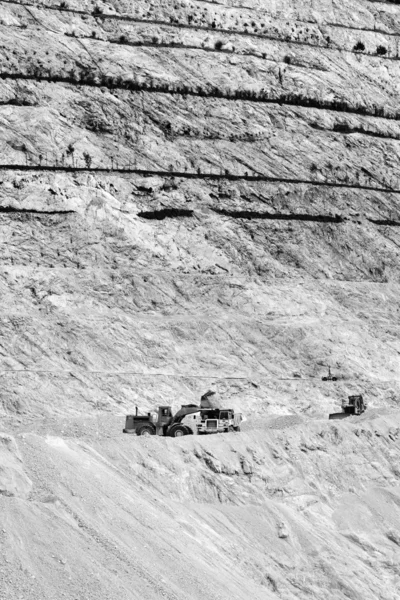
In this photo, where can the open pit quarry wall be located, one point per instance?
(199, 194)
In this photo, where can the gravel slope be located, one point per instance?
(289, 510)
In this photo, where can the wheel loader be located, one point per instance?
(190, 419)
(184, 422)
(353, 405)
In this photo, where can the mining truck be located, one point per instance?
(216, 420)
(353, 405)
(190, 419)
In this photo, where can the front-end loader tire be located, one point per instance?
(178, 431)
(146, 430)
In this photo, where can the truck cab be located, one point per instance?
(216, 420)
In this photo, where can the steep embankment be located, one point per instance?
(197, 194)
(289, 511)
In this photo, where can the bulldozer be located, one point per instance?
(353, 405)
(190, 419)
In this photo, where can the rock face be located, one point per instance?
(13, 480)
(199, 195)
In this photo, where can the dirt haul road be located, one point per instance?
(296, 509)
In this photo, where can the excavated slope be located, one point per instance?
(198, 194)
(292, 511)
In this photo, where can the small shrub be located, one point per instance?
(359, 47)
(381, 50)
(218, 45)
(88, 159)
(97, 10)
(122, 39)
(70, 152)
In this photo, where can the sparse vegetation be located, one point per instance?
(359, 47)
(88, 159)
(88, 77)
(70, 152)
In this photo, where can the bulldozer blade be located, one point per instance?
(339, 415)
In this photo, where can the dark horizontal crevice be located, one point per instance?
(32, 211)
(165, 213)
(89, 78)
(361, 29)
(170, 213)
(388, 222)
(16, 102)
(197, 175)
(249, 214)
(175, 46)
(346, 129)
